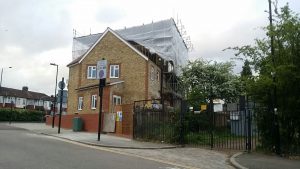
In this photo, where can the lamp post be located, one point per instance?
(2, 76)
(53, 116)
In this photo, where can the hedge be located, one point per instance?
(23, 115)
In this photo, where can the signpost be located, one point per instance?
(61, 85)
(101, 75)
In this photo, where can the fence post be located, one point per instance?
(211, 109)
(248, 113)
(181, 118)
(133, 121)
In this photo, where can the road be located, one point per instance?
(21, 148)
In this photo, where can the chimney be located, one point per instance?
(25, 88)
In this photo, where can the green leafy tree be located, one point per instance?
(284, 67)
(203, 78)
(246, 70)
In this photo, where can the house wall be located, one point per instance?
(19, 102)
(124, 128)
(154, 84)
(133, 71)
(73, 84)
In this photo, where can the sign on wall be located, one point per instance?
(119, 116)
(101, 69)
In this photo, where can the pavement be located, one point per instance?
(186, 157)
(263, 161)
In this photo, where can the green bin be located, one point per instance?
(77, 124)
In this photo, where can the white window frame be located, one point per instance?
(94, 102)
(80, 103)
(91, 72)
(157, 75)
(118, 98)
(113, 69)
(152, 73)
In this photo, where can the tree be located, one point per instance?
(280, 71)
(246, 69)
(202, 78)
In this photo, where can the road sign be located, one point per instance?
(101, 69)
(61, 85)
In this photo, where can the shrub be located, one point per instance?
(21, 115)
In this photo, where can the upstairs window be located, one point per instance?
(80, 103)
(94, 102)
(114, 71)
(157, 76)
(117, 100)
(152, 73)
(91, 72)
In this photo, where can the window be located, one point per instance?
(80, 103)
(157, 76)
(94, 102)
(91, 72)
(8, 100)
(117, 100)
(114, 71)
(152, 73)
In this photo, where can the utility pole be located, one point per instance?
(101, 75)
(61, 85)
(273, 73)
(53, 116)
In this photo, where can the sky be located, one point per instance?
(35, 33)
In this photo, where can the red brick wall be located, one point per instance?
(125, 128)
(90, 121)
(127, 119)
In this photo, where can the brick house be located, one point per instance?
(24, 99)
(133, 69)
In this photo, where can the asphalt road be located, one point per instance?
(23, 149)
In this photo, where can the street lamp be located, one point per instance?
(53, 116)
(2, 75)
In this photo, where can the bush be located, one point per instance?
(21, 115)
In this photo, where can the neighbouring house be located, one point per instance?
(24, 99)
(143, 63)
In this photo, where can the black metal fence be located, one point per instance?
(229, 129)
(185, 123)
(153, 124)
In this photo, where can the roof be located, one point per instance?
(23, 94)
(82, 44)
(80, 58)
(162, 38)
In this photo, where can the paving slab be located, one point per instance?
(263, 161)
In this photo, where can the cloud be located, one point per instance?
(110, 14)
(34, 33)
(34, 25)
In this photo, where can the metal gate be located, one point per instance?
(151, 123)
(185, 123)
